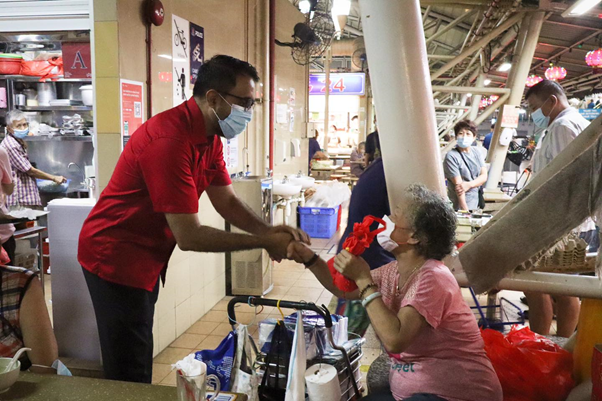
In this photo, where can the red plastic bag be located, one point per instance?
(529, 366)
(356, 243)
(46, 69)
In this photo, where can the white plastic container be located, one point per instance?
(87, 95)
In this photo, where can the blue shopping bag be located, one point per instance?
(220, 361)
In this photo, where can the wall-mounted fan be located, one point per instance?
(360, 59)
(310, 39)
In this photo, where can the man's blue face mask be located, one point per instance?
(236, 122)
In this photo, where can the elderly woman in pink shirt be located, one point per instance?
(416, 307)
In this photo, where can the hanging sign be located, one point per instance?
(197, 50)
(353, 83)
(132, 115)
(76, 60)
(180, 54)
(590, 114)
(510, 116)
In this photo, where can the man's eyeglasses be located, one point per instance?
(245, 102)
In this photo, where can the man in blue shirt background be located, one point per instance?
(487, 140)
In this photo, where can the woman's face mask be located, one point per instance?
(384, 237)
(21, 133)
(465, 141)
(236, 122)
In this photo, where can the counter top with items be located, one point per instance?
(45, 387)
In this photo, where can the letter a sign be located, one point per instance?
(76, 60)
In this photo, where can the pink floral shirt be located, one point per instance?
(447, 359)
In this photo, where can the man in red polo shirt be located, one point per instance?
(151, 204)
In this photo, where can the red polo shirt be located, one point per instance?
(164, 168)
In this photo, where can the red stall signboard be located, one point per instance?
(76, 60)
(132, 114)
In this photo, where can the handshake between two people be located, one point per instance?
(291, 243)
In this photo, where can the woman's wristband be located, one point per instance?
(366, 288)
(371, 298)
(312, 261)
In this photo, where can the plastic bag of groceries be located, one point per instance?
(530, 367)
(329, 195)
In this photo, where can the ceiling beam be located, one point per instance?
(454, 3)
(560, 53)
(584, 27)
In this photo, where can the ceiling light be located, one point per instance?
(165, 56)
(486, 82)
(304, 6)
(580, 7)
(504, 67)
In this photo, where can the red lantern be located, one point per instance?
(555, 73)
(533, 80)
(594, 60)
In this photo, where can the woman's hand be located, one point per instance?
(299, 252)
(350, 266)
(59, 179)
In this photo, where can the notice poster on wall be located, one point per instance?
(132, 115)
(180, 53)
(197, 50)
(230, 152)
(76, 60)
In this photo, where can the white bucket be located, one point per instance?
(87, 95)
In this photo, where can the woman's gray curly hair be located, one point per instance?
(432, 219)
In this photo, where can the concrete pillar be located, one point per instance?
(497, 152)
(402, 91)
(327, 60)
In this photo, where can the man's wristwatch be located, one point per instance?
(312, 261)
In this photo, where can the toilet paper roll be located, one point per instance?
(322, 383)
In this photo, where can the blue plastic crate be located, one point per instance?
(319, 222)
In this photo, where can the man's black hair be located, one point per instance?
(220, 73)
(545, 89)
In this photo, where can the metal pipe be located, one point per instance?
(396, 46)
(450, 107)
(469, 89)
(478, 45)
(489, 110)
(451, 25)
(497, 152)
(468, 35)
(264, 58)
(506, 40)
(327, 96)
(426, 14)
(149, 72)
(476, 98)
(272, 67)
(441, 56)
(486, 16)
(549, 283)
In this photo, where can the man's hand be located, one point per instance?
(350, 266)
(299, 252)
(296, 233)
(277, 245)
(59, 179)
(463, 187)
